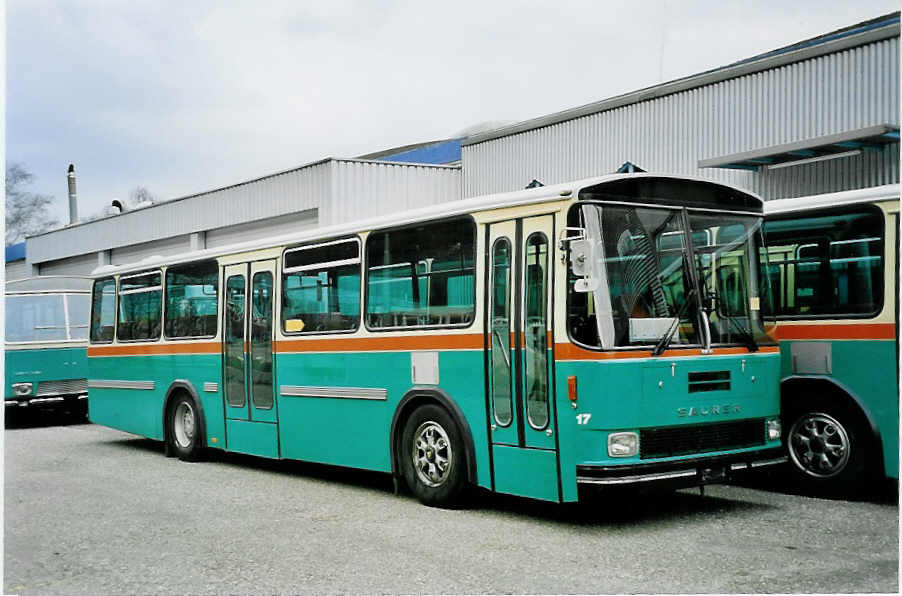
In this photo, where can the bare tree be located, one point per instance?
(27, 213)
(140, 196)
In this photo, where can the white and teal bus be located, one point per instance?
(832, 268)
(597, 333)
(45, 344)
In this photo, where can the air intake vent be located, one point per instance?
(709, 381)
(70, 387)
(700, 438)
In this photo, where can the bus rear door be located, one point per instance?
(251, 409)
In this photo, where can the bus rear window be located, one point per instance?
(37, 317)
(191, 292)
(103, 310)
(421, 276)
(140, 302)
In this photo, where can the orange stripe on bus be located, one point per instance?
(207, 347)
(572, 352)
(470, 341)
(842, 331)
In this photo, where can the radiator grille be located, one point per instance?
(700, 438)
(68, 387)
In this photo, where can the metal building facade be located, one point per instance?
(321, 193)
(832, 85)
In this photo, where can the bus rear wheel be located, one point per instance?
(829, 451)
(183, 428)
(432, 456)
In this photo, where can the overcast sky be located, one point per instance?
(182, 97)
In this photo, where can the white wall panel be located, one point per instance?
(274, 226)
(78, 265)
(17, 270)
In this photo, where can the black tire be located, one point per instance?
(831, 449)
(431, 437)
(184, 431)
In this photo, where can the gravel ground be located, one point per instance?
(92, 510)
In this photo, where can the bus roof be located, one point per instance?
(833, 199)
(50, 283)
(542, 194)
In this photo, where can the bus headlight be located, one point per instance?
(22, 388)
(623, 444)
(774, 429)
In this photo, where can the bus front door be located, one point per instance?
(519, 351)
(250, 406)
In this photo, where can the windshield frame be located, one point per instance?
(689, 252)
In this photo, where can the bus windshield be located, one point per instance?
(649, 294)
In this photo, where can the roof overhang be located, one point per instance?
(843, 144)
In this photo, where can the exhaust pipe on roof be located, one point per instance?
(73, 203)
(118, 205)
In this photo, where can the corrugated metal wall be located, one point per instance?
(368, 189)
(79, 265)
(326, 192)
(139, 252)
(832, 93)
(17, 270)
(274, 226)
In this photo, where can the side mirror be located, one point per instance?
(582, 256)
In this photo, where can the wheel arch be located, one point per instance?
(797, 387)
(417, 397)
(184, 386)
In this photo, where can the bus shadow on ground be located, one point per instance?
(16, 419)
(779, 480)
(622, 507)
(607, 508)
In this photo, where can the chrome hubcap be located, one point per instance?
(819, 445)
(431, 454)
(183, 423)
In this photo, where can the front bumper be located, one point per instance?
(47, 402)
(682, 473)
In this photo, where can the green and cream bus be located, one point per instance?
(591, 334)
(45, 343)
(832, 269)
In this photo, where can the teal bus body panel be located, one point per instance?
(867, 369)
(140, 411)
(253, 438)
(630, 394)
(526, 472)
(356, 432)
(44, 364)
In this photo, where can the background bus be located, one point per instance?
(596, 333)
(46, 337)
(832, 266)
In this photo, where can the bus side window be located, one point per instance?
(827, 264)
(103, 310)
(140, 305)
(191, 300)
(422, 276)
(321, 287)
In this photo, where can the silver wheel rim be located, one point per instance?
(819, 445)
(431, 454)
(183, 424)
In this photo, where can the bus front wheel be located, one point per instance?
(183, 428)
(829, 450)
(433, 461)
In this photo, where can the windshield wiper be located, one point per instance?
(744, 333)
(667, 338)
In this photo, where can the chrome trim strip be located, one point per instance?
(636, 478)
(107, 384)
(770, 462)
(211, 387)
(42, 400)
(334, 392)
